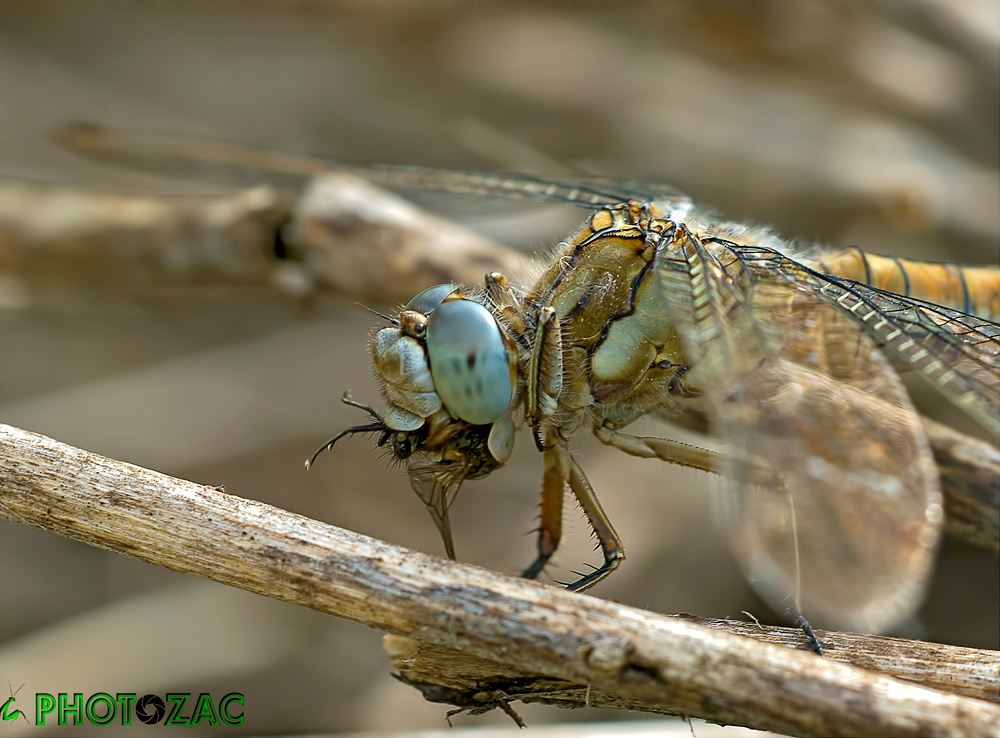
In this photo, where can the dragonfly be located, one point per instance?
(831, 493)
(830, 496)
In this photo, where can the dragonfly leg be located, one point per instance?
(651, 447)
(682, 454)
(545, 375)
(611, 544)
(554, 480)
(562, 469)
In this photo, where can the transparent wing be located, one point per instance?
(437, 485)
(831, 497)
(956, 352)
(188, 155)
(588, 192)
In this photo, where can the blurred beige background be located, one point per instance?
(834, 122)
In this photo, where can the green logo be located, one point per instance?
(102, 708)
(8, 711)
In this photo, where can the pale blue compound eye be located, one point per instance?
(430, 298)
(469, 362)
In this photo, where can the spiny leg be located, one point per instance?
(651, 447)
(562, 469)
(554, 478)
(682, 454)
(675, 452)
(611, 544)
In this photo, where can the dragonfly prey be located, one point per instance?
(830, 494)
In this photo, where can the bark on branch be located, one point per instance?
(641, 659)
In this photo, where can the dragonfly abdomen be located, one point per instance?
(973, 290)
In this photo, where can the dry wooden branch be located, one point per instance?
(667, 664)
(341, 236)
(953, 669)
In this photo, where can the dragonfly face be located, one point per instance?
(449, 375)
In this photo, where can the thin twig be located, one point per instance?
(669, 664)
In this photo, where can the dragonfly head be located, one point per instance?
(448, 370)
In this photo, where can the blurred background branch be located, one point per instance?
(342, 236)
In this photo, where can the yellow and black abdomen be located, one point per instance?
(971, 289)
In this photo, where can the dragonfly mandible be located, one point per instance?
(831, 494)
(654, 306)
